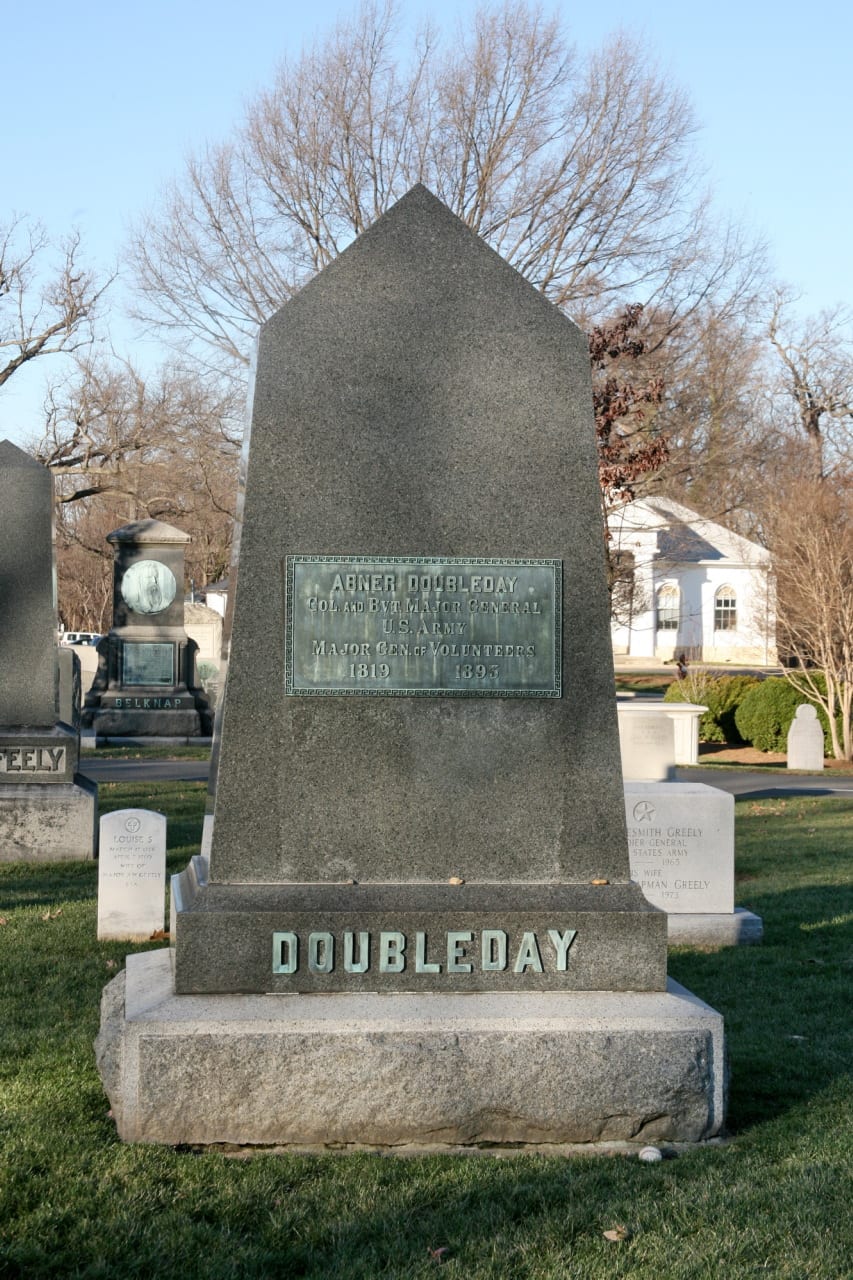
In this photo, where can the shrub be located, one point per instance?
(764, 717)
(720, 694)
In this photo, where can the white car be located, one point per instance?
(79, 637)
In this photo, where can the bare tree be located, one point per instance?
(579, 171)
(84, 565)
(48, 300)
(723, 446)
(815, 362)
(124, 447)
(812, 545)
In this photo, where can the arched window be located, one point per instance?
(725, 609)
(668, 609)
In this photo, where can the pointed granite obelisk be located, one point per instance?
(419, 829)
(28, 669)
(420, 688)
(47, 811)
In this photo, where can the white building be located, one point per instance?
(689, 586)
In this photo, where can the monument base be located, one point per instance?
(91, 742)
(387, 1071)
(48, 822)
(715, 929)
(114, 723)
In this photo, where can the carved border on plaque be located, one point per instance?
(465, 565)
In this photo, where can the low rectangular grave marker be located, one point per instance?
(681, 845)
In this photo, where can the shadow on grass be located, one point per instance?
(782, 1000)
(157, 1211)
(45, 884)
(780, 793)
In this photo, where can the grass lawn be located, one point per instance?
(653, 684)
(773, 1201)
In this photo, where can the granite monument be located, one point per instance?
(416, 924)
(48, 811)
(146, 683)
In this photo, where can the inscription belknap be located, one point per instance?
(420, 626)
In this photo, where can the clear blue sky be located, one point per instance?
(100, 103)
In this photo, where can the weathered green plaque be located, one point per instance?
(421, 626)
(147, 663)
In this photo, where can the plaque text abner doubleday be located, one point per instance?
(422, 626)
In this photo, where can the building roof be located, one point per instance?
(195, 612)
(148, 531)
(683, 536)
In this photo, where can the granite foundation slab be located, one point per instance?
(715, 929)
(159, 725)
(392, 1071)
(44, 822)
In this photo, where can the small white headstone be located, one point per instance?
(805, 739)
(131, 874)
(681, 843)
(647, 744)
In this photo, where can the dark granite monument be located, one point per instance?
(419, 806)
(48, 811)
(146, 683)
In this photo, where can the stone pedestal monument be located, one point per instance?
(417, 923)
(146, 684)
(48, 811)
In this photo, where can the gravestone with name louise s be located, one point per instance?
(417, 922)
(131, 874)
(47, 810)
(146, 683)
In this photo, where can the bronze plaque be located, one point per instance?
(147, 663)
(418, 626)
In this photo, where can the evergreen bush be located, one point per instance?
(721, 695)
(765, 714)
